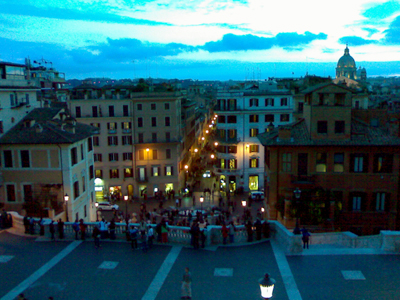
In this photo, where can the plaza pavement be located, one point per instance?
(76, 270)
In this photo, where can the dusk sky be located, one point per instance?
(201, 39)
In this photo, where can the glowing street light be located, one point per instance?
(267, 286)
(66, 198)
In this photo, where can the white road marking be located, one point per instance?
(40, 272)
(158, 281)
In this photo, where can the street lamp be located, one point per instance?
(126, 206)
(196, 150)
(267, 286)
(201, 201)
(297, 195)
(66, 198)
(212, 156)
(206, 131)
(97, 215)
(216, 144)
(244, 203)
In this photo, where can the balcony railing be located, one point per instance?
(220, 171)
(142, 179)
(227, 140)
(303, 179)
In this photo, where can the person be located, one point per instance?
(52, 230)
(224, 231)
(75, 227)
(96, 235)
(150, 236)
(41, 225)
(306, 237)
(296, 230)
(133, 233)
(103, 229)
(164, 231)
(26, 224)
(195, 230)
(258, 226)
(249, 229)
(142, 226)
(203, 236)
(232, 230)
(186, 289)
(143, 240)
(32, 226)
(176, 202)
(112, 229)
(60, 227)
(82, 228)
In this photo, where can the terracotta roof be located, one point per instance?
(46, 129)
(362, 134)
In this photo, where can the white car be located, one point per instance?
(207, 174)
(107, 206)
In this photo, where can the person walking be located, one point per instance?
(164, 232)
(150, 236)
(143, 241)
(112, 229)
(96, 235)
(225, 232)
(26, 224)
(32, 226)
(186, 288)
(41, 226)
(232, 230)
(103, 229)
(75, 227)
(60, 227)
(82, 228)
(133, 233)
(306, 237)
(52, 230)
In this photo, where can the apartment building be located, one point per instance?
(140, 147)
(330, 167)
(45, 157)
(242, 115)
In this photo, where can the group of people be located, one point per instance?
(305, 235)
(5, 220)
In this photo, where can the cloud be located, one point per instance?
(371, 31)
(382, 11)
(289, 40)
(392, 34)
(73, 14)
(356, 41)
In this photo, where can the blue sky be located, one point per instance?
(201, 39)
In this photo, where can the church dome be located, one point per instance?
(346, 61)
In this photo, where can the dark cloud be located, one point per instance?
(289, 40)
(356, 41)
(392, 34)
(383, 10)
(72, 14)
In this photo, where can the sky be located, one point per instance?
(201, 39)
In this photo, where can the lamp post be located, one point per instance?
(297, 195)
(266, 286)
(97, 215)
(201, 201)
(126, 206)
(66, 198)
(263, 212)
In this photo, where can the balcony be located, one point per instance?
(226, 155)
(142, 179)
(226, 140)
(126, 130)
(303, 179)
(220, 171)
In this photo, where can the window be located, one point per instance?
(358, 163)
(99, 173)
(155, 171)
(358, 201)
(77, 111)
(12, 101)
(222, 164)
(128, 172)
(253, 132)
(91, 172)
(232, 134)
(96, 125)
(169, 171)
(339, 99)
(76, 189)
(287, 162)
(96, 141)
(321, 163)
(10, 193)
(98, 157)
(74, 156)
(339, 127)
(221, 119)
(114, 173)
(141, 173)
(253, 102)
(83, 184)
(139, 106)
(153, 122)
(269, 118)
(8, 161)
(231, 104)
(125, 110)
(141, 154)
(166, 106)
(231, 119)
(28, 197)
(269, 102)
(232, 149)
(111, 110)
(232, 163)
(112, 127)
(126, 140)
(167, 121)
(127, 156)
(284, 101)
(27, 98)
(153, 106)
(382, 201)
(154, 137)
(112, 156)
(82, 153)
(300, 107)
(140, 122)
(126, 127)
(168, 137)
(25, 163)
(322, 127)
(140, 138)
(253, 118)
(155, 154)
(1, 127)
(285, 117)
(112, 141)
(383, 163)
(338, 162)
(94, 112)
(253, 163)
(90, 144)
(168, 153)
(253, 148)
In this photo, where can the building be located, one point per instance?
(347, 170)
(242, 115)
(142, 145)
(44, 157)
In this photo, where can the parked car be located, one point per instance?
(207, 174)
(107, 206)
(257, 195)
